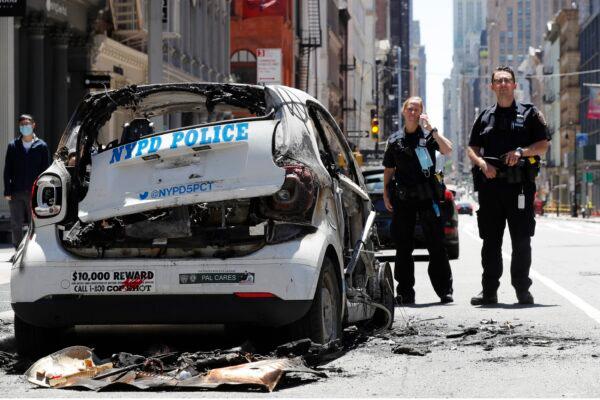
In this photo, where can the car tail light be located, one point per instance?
(46, 196)
(448, 195)
(297, 193)
(449, 230)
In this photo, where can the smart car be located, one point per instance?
(199, 203)
(464, 207)
(374, 182)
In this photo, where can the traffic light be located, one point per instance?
(375, 128)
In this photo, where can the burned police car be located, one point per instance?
(200, 203)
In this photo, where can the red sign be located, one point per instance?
(594, 103)
(263, 8)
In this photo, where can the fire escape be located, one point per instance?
(127, 18)
(311, 38)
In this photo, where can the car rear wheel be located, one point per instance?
(323, 322)
(35, 341)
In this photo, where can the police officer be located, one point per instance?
(505, 144)
(411, 187)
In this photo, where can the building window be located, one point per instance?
(243, 66)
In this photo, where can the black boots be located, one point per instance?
(484, 298)
(447, 298)
(525, 297)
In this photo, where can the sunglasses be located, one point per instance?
(502, 80)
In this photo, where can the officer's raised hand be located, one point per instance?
(424, 121)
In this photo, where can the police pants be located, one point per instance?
(498, 204)
(19, 214)
(403, 227)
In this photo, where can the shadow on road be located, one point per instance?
(423, 305)
(516, 305)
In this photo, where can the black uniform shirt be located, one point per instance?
(499, 130)
(400, 154)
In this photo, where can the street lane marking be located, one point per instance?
(577, 301)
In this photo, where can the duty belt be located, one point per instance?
(524, 171)
(421, 191)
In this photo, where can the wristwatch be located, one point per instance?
(520, 151)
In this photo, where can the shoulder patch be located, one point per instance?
(540, 116)
(395, 137)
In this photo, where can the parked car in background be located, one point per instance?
(464, 207)
(374, 183)
(538, 205)
(247, 209)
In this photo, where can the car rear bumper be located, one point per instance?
(68, 310)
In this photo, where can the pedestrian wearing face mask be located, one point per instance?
(26, 158)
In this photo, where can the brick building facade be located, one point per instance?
(254, 27)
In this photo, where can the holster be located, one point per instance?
(422, 191)
(438, 186)
(478, 178)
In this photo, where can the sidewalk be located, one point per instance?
(567, 217)
(6, 252)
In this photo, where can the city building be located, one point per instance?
(552, 80)
(589, 47)
(361, 70)
(400, 37)
(120, 46)
(513, 26)
(568, 22)
(270, 27)
(554, 178)
(43, 66)
(418, 62)
(469, 18)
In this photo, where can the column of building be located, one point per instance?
(7, 100)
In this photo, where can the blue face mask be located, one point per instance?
(26, 130)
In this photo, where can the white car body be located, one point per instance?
(55, 285)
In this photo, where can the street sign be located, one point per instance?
(589, 177)
(268, 66)
(91, 81)
(581, 139)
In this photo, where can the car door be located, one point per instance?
(351, 199)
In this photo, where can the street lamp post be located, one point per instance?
(575, 202)
(377, 62)
(575, 206)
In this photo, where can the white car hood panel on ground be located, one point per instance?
(205, 164)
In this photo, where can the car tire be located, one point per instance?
(323, 321)
(34, 341)
(453, 252)
(387, 298)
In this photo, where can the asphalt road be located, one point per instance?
(550, 349)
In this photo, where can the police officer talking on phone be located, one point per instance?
(411, 187)
(505, 146)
